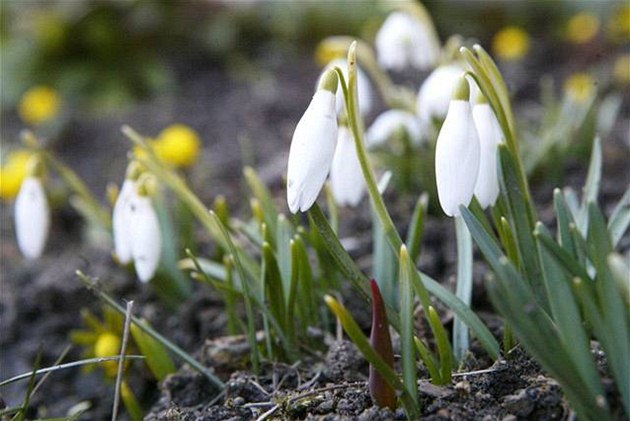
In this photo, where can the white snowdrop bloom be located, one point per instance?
(387, 123)
(146, 239)
(121, 221)
(32, 217)
(313, 147)
(457, 154)
(435, 94)
(346, 177)
(364, 87)
(404, 41)
(490, 136)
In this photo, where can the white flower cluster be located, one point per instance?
(136, 230)
(466, 153)
(465, 158)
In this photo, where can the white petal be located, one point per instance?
(387, 123)
(456, 158)
(121, 221)
(435, 94)
(364, 88)
(311, 152)
(346, 177)
(403, 41)
(32, 218)
(146, 242)
(490, 135)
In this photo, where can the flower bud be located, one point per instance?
(346, 177)
(435, 94)
(490, 136)
(457, 153)
(404, 42)
(146, 239)
(312, 149)
(121, 221)
(32, 217)
(388, 123)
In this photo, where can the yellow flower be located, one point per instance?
(178, 145)
(582, 27)
(108, 345)
(622, 69)
(619, 24)
(13, 173)
(580, 86)
(511, 43)
(39, 105)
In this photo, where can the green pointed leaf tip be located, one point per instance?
(382, 393)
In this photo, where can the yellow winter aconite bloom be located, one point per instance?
(39, 105)
(580, 86)
(582, 27)
(178, 145)
(13, 173)
(511, 43)
(108, 345)
(619, 24)
(622, 69)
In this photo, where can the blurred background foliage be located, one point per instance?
(109, 53)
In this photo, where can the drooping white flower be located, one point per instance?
(457, 154)
(121, 221)
(346, 177)
(387, 123)
(146, 239)
(313, 147)
(490, 136)
(364, 87)
(435, 94)
(32, 217)
(404, 41)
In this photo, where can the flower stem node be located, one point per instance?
(457, 154)
(313, 147)
(32, 217)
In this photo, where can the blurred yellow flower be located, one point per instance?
(108, 345)
(582, 27)
(621, 71)
(511, 43)
(13, 173)
(580, 86)
(619, 24)
(39, 105)
(178, 145)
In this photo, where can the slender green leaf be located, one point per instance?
(283, 249)
(416, 227)
(260, 192)
(464, 286)
(157, 358)
(620, 219)
(444, 346)
(407, 345)
(429, 361)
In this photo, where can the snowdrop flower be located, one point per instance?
(121, 221)
(146, 239)
(313, 146)
(457, 153)
(490, 136)
(32, 217)
(346, 176)
(386, 125)
(404, 41)
(364, 88)
(435, 94)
